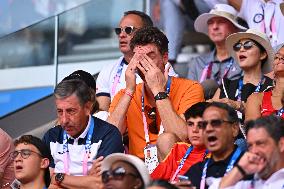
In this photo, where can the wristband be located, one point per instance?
(128, 93)
(241, 170)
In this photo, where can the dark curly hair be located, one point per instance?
(148, 35)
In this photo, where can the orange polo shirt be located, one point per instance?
(183, 94)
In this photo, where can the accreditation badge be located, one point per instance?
(151, 157)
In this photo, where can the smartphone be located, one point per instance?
(183, 178)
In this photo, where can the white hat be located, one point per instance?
(219, 10)
(282, 8)
(133, 160)
(257, 36)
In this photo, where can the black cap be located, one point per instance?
(84, 76)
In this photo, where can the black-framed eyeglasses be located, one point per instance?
(278, 57)
(191, 124)
(116, 174)
(25, 153)
(128, 30)
(151, 113)
(247, 45)
(214, 123)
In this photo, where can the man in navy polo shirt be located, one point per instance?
(79, 138)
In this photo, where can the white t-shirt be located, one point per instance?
(105, 80)
(266, 17)
(274, 181)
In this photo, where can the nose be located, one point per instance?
(195, 128)
(64, 118)
(254, 149)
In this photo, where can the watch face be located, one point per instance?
(59, 177)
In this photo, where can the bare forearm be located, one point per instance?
(171, 121)
(117, 117)
(104, 102)
(82, 182)
(231, 179)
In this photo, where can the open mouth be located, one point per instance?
(19, 167)
(212, 140)
(242, 57)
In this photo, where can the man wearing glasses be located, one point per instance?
(112, 77)
(170, 96)
(31, 163)
(220, 128)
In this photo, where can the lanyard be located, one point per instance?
(147, 138)
(280, 112)
(241, 84)
(207, 71)
(87, 149)
(230, 166)
(117, 77)
(181, 164)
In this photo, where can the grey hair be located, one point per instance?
(78, 87)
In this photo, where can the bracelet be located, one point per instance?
(128, 93)
(242, 171)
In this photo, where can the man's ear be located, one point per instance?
(281, 144)
(88, 107)
(263, 55)
(44, 163)
(236, 129)
(165, 58)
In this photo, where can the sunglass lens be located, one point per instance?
(128, 30)
(117, 31)
(105, 176)
(247, 45)
(216, 122)
(237, 46)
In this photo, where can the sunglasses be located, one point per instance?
(278, 57)
(25, 153)
(116, 174)
(214, 123)
(151, 113)
(128, 30)
(247, 45)
(191, 124)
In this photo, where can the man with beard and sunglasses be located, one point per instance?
(167, 97)
(220, 127)
(112, 77)
(264, 158)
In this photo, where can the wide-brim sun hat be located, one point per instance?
(257, 36)
(282, 8)
(220, 10)
(133, 160)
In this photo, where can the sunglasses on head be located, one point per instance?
(128, 30)
(151, 113)
(247, 45)
(213, 122)
(116, 174)
(25, 153)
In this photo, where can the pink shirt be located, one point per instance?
(6, 164)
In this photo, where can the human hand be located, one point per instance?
(235, 104)
(154, 77)
(130, 73)
(252, 163)
(96, 167)
(185, 184)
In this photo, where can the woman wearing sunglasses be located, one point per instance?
(253, 52)
(123, 171)
(269, 102)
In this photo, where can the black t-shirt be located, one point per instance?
(232, 86)
(215, 169)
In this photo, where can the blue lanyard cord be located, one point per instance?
(230, 166)
(241, 84)
(188, 151)
(88, 140)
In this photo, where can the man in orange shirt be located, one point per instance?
(157, 104)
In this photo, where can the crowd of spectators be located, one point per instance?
(162, 131)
